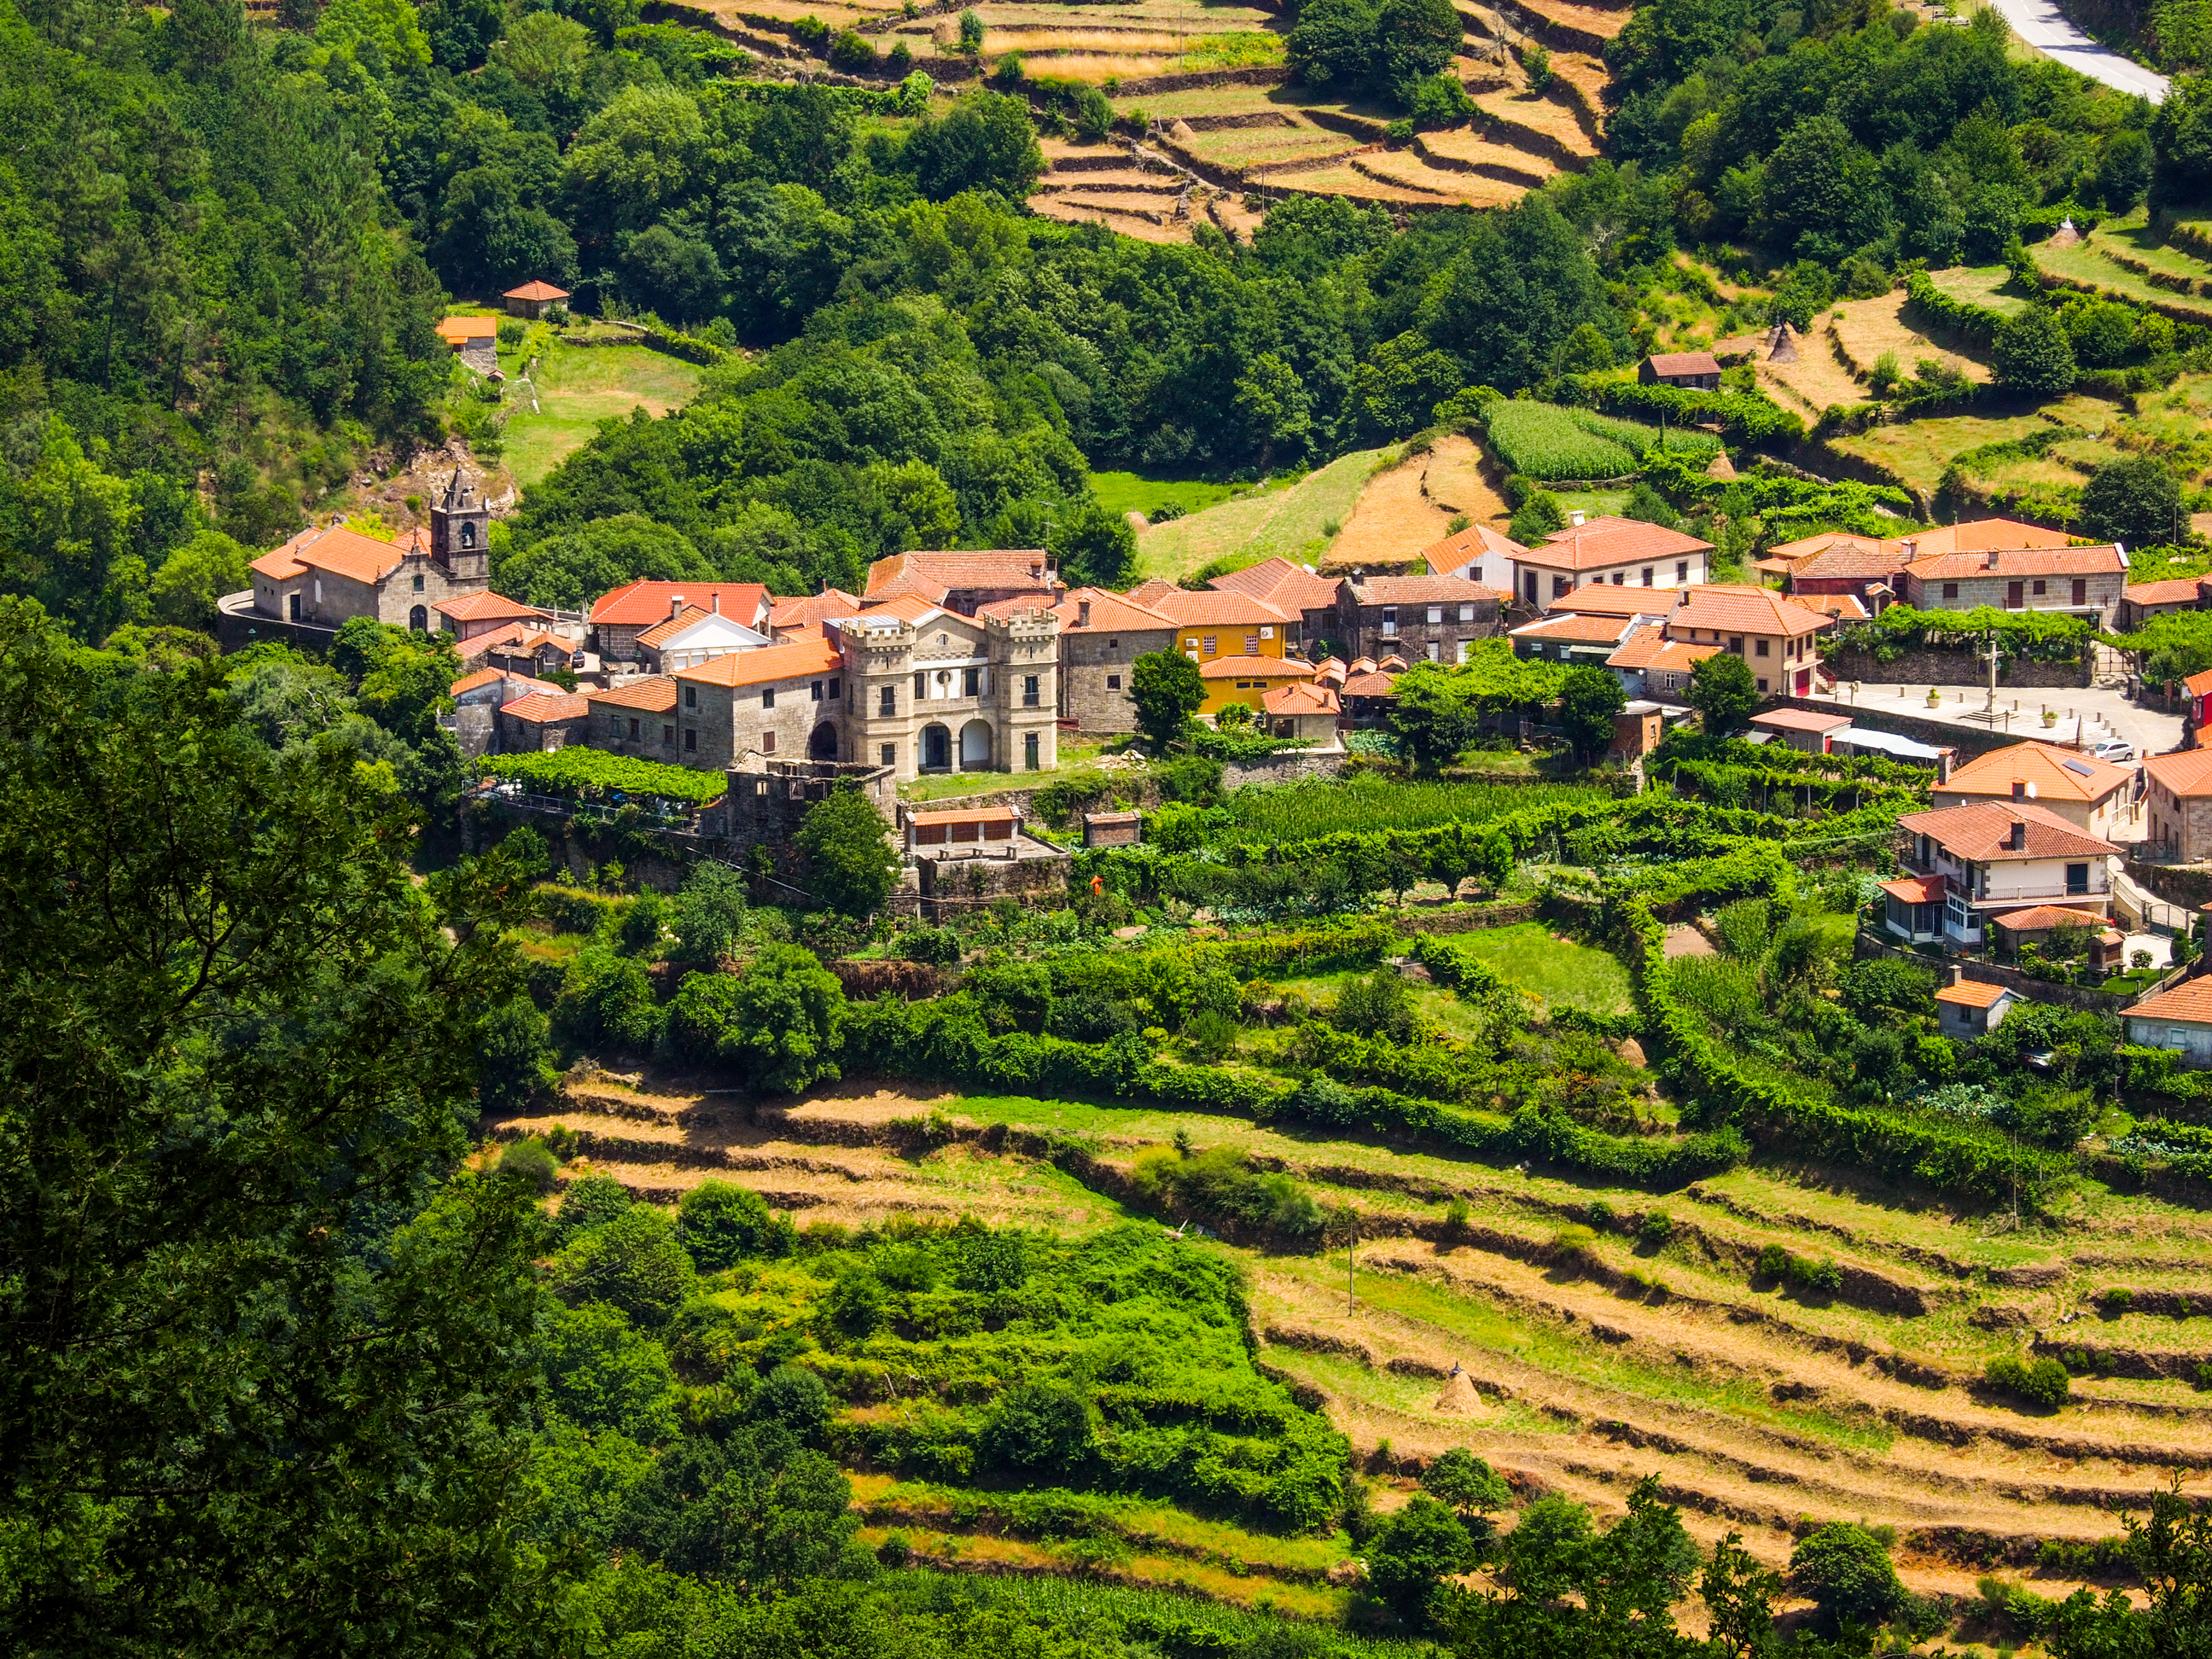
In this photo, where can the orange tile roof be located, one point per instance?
(484, 605)
(1110, 613)
(1917, 889)
(1616, 599)
(2057, 775)
(484, 676)
(1844, 607)
(1255, 668)
(1685, 362)
(2100, 561)
(664, 632)
(336, 548)
(1827, 540)
(2198, 684)
(516, 637)
(1799, 719)
(1286, 586)
(1851, 559)
(1018, 604)
(541, 706)
(646, 602)
(454, 329)
(1288, 699)
(816, 608)
(1649, 649)
(1982, 831)
(654, 696)
(776, 662)
(1728, 608)
(1980, 535)
(2191, 1001)
(1569, 626)
(966, 815)
(1148, 591)
(1422, 590)
(934, 575)
(1212, 608)
(906, 607)
(2188, 773)
(1611, 541)
(2171, 590)
(536, 290)
(2036, 918)
(1975, 994)
(1370, 683)
(1476, 541)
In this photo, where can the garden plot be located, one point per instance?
(1542, 117)
(1456, 480)
(1297, 522)
(1394, 519)
(1917, 451)
(1463, 151)
(2092, 265)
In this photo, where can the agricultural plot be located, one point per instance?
(1546, 441)
(2115, 263)
(1297, 522)
(1917, 451)
(571, 389)
(1299, 811)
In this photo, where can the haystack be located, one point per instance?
(1782, 343)
(1181, 130)
(2066, 235)
(1721, 467)
(1459, 1398)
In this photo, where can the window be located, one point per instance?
(890, 755)
(920, 685)
(1113, 682)
(1436, 613)
(691, 742)
(690, 696)
(1467, 613)
(633, 730)
(1647, 575)
(971, 682)
(887, 701)
(815, 691)
(1735, 643)
(1559, 586)
(1465, 645)
(1432, 650)
(1251, 645)
(2080, 590)
(768, 696)
(1762, 650)
(468, 535)
(1620, 577)
(1390, 621)
(1113, 646)
(2040, 587)
(1682, 570)
(1029, 690)
(1213, 644)
(768, 743)
(668, 736)
(836, 690)
(2177, 1036)
(1950, 590)
(1030, 752)
(2077, 878)
(418, 587)
(1762, 685)
(1474, 573)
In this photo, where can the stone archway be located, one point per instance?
(822, 745)
(976, 746)
(936, 749)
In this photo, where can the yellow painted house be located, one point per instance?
(1248, 680)
(1211, 623)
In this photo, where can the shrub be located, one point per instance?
(795, 1398)
(895, 1551)
(603, 1374)
(606, 998)
(2032, 353)
(720, 1223)
(2116, 1300)
(588, 1201)
(1463, 1480)
(1041, 1430)
(775, 1025)
(1775, 1262)
(514, 1067)
(638, 933)
(2040, 1382)
(850, 866)
(1655, 1229)
(938, 946)
(632, 1262)
(1415, 1551)
(532, 1163)
(1845, 1571)
(707, 915)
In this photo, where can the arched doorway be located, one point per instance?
(976, 746)
(419, 619)
(823, 744)
(936, 749)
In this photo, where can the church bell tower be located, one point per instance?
(461, 532)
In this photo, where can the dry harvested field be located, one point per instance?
(1842, 345)
(1762, 1411)
(1404, 509)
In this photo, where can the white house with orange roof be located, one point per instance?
(1302, 709)
(1776, 637)
(328, 575)
(1573, 640)
(1478, 554)
(1621, 552)
(2092, 795)
(1649, 664)
(620, 616)
(1968, 1009)
(1984, 859)
(693, 635)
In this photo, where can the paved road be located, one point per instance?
(2091, 713)
(2041, 25)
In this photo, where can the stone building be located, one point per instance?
(542, 720)
(1421, 618)
(936, 691)
(1101, 635)
(471, 616)
(781, 702)
(635, 608)
(478, 699)
(965, 582)
(636, 719)
(325, 576)
(1692, 371)
(2084, 581)
(2177, 803)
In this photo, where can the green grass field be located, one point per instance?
(1295, 811)
(1292, 521)
(1562, 973)
(575, 388)
(1133, 492)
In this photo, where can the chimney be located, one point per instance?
(1083, 613)
(675, 607)
(2018, 841)
(1993, 558)
(714, 602)
(1911, 548)
(1945, 760)
(2019, 789)
(1575, 518)
(1958, 974)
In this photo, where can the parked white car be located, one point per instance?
(2118, 752)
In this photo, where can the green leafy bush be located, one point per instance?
(590, 774)
(2040, 1382)
(532, 1162)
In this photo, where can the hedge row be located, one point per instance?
(1976, 323)
(1747, 417)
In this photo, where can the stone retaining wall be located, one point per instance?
(1956, 668)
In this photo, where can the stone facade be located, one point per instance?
(932, 691)
(2086, 580)
(1101, 635)
(1420, 618)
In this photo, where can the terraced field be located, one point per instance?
(1762, 1411)
(2131, 260)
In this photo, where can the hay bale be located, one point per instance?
(1459, 1398)
(1631, 1051)
(1721, 467)
(1782, 343)
(1137, 521)
(1180, 129)
(2066, 235)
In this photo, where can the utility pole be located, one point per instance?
(1993, 676)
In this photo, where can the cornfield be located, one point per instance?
(1545, 441)
(1298, 812)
